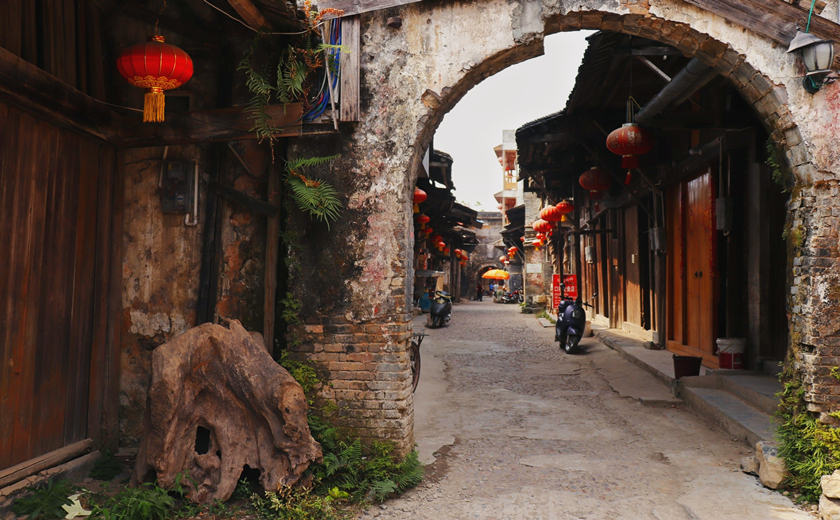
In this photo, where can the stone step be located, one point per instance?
(758, 390)
(735, 416)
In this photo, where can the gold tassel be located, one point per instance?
(153, 104)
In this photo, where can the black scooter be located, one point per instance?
(441, 310)
(571, 322)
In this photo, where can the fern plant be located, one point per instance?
(45, 501)
(145, 502)
(316, 198)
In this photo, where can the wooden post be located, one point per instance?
(350, 69)
(272, 246)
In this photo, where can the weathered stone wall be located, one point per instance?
(161, 266)
(413, 75)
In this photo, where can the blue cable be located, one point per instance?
(323, 100)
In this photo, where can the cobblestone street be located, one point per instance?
(511, 427)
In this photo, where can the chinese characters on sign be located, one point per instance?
(570, 287)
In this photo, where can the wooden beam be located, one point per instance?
(47, 460)
(351, 7)
(774, 19)
(225, 124)
(350, 67)
(250, 14)
(38, 91)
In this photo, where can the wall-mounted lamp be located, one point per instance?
(817, 55)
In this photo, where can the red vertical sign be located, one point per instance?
(570, 287)
(555, 291)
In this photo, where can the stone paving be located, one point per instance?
(511, 427)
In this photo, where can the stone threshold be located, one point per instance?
(739, 402)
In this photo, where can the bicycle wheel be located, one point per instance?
(414, 361)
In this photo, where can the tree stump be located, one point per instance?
(219, 402)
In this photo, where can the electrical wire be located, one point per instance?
(331, 59)
(243, 23)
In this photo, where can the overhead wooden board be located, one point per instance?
(350, 7)
(775, 19)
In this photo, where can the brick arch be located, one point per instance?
(768, 99)
(411, 77)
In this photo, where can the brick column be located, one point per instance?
(369, 374)
(813, 234)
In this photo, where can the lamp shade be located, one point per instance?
(817, 54)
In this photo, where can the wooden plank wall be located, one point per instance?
(63, 37)
(50, 184)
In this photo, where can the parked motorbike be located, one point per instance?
(512, 297)
(571, 322)
(441, 309)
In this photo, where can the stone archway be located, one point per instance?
(412, 76)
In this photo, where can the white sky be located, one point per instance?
(513, 97)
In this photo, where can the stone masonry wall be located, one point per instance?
(412, 76)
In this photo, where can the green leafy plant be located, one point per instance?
(145, 502)
(289, 503)
(304, 374)
(544, 314)
(314, 197)
(45, 501)
(809, 448)
(106, 467)
(778, 167)
(365, 474)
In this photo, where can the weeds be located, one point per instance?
(544, 314)
(809, 448)
(294, 504)
(364, 474)
(145, 502)
(45, 501)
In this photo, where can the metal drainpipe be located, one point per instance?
(692, 78)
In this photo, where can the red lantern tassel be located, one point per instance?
(629, 162)
(153, 106)
(628, 178)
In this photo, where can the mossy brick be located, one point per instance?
(337, 366)
(355, 375)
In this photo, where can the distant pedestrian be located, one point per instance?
(479, 291)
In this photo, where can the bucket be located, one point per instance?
(731, 352)
(685, 366)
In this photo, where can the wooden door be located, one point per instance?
(632, 263)
(51, 182)
(691, 268)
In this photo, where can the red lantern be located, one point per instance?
(157, 66)
(541, 236)
(423, 220)
(565, 207)
(547, 213)
(502, 259)
(629, 141)
(514, 249)
(419, 195)
(446, 251)
(595, 181)
(522, 239)
(541, 225)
